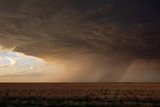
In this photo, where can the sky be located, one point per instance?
(79, 41)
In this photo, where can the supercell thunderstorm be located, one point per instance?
(81, 40)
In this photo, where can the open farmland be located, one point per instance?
(79, 94)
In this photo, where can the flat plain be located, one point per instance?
(79, 94)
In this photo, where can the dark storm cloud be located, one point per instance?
(98, 26)
(59, 27)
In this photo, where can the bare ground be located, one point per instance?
(79, 94)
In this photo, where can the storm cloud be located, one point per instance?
(109, 35)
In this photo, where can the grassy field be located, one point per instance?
(79, 94)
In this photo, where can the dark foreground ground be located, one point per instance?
(79, 94)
